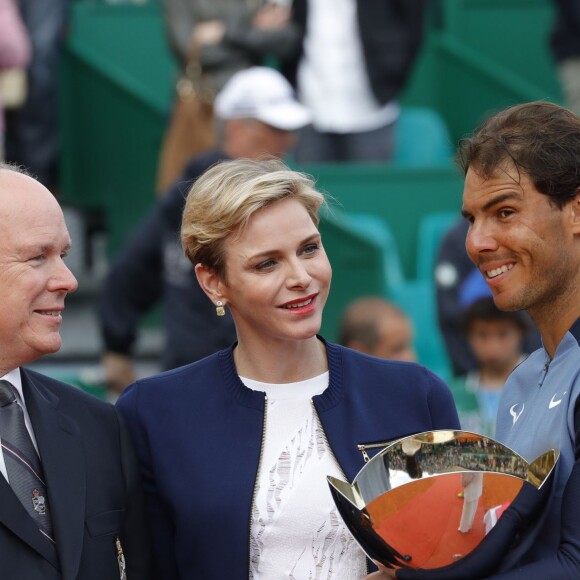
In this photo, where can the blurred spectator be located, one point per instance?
(453, 270)
(14, 58)
(377, 327)
(355, 60)
(231, 34)
(32, 130)
(258, 113)
(213, 39)
(496, 338)
(565, 44)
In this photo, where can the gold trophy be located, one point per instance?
(428, 500)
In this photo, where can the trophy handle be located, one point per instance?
(349, 492)
(539, 470)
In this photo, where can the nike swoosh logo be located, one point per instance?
(515, 415)
(553, 403)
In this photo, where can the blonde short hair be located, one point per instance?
(224, 198)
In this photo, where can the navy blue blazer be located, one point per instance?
(198, 431)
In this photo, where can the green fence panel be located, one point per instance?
(513, 33)
(357, 267)
(477, 86)
(484, 55)
(116, 76)
(377, 229)
(417, 298)
(400, 196)
(432, 228)
(354, 258)
(364, 256)
(422, 139)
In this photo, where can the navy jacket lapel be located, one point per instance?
(60, 447)
(16, 518)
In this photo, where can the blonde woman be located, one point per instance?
(235, 448)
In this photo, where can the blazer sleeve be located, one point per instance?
(135, 532)
(442, 406)
(160, 523)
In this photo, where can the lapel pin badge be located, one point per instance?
(38, 502)
(121, 559)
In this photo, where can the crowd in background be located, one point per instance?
(347, 64)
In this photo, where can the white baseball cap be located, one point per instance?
(261, 93)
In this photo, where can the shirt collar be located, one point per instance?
(15, 379)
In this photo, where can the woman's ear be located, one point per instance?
(210, 282)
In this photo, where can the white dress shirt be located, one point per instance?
(15, 379)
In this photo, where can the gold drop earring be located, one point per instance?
(219, 308)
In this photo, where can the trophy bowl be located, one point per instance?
(428, 500)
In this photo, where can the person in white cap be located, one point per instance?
(257, 116)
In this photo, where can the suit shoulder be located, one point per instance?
(67, 393)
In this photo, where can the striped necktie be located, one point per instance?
(23, 466)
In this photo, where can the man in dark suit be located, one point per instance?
(70, 498)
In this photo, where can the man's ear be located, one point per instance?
(575, 212)
(210, 282)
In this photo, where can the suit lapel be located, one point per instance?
(16, 518)
(61, 451)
